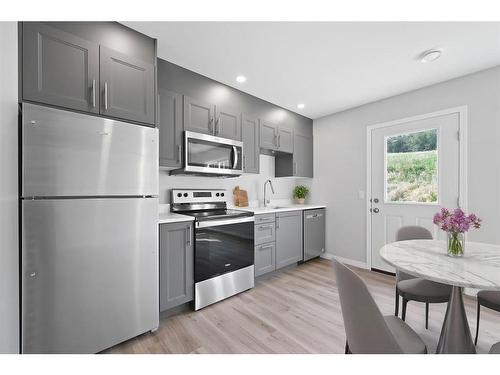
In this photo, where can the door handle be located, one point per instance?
(217, 126)
(277, 222)
(244, 162)
(179, 153)
(266, 247)
(294, 168)
(376, 210)
(279, 140)
(106, 96)
(375, 200)
(93, 93)
(235, 151)
(266, 226)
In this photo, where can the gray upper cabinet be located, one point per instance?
(198, 116)
(227, 123)
(250, 138)
(127, 87)
(303, 156)
(288, 238)
(176, 264)
(285, 139)
(59, 68)
(268, 132)
(68, 65)
(170, 128)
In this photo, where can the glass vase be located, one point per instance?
(455, 244)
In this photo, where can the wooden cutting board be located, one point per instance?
(240, 197)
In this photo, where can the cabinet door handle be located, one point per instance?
(93, 93)
(266, 247)
(277, 222)
(279, 140)
(270, 226)
(294, 168)
(244, 162)
(217, 126)
(179, 153)
(211, 128)
(188, 242)
(106, 96)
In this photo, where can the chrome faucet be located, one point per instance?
(266, 201)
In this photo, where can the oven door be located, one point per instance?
(209, 154)
(223, 246)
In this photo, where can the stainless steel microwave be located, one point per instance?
(208, 155)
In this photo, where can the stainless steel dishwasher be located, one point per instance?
(314, 233)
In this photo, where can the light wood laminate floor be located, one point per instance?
(294, 311)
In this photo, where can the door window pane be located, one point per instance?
(412, 167)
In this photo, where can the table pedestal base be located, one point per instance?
(455, 335)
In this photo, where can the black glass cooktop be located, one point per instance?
(217, 214)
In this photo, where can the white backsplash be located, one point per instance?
(252, 183)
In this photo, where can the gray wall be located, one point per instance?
(9, 302)
(340, 156)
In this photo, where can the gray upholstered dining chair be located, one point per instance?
(412, 288)
(495, 349)
(489, 299)
(367, 331)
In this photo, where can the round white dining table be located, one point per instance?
(478, 268)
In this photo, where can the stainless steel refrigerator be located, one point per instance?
(89, 237)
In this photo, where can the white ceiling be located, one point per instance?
(328, 66)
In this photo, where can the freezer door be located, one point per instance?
(89, 273)
(71, 154)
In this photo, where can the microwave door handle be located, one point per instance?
(235, 151)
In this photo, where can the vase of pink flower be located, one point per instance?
(455, 223)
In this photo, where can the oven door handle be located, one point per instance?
(215, 223)
(235, 152)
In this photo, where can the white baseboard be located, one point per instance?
(351, 262)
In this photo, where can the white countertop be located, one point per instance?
(280, 208)
(165, 216)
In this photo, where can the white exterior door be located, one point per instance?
(414, 171)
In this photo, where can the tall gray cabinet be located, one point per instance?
(170, 128)
(63, 68)
(250, 138)
(176, 264)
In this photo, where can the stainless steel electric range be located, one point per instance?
(224, 244)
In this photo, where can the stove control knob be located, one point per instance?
(179, 195)
(221, 194)
(216, 194)
(185, 195)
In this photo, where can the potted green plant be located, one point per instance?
(300, 193)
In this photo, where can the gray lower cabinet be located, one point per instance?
(265, 258)
(198, 116)
(59, 68)
(285, 139)
(303, 156)
(170, 128)
(288, 238)
(227, 123)
(127, 87)
(267, 139)
(264, 233)
(250, 138)
(176, 264)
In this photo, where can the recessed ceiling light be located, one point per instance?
(431, 55)
(301, 106)
(241, 79)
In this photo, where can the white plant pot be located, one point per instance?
(300, 200)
